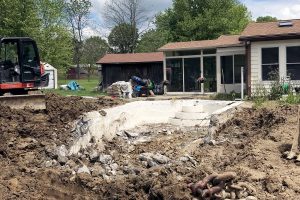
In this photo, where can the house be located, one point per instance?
(120, 67)
(262, 49)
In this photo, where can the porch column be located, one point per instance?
(165, 72)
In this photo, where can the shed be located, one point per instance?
(120, 67)
(52, 71)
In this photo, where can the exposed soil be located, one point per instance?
(251, 144)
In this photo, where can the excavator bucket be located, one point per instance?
(34, 101)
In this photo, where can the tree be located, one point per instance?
(94, 48)
(121, 37)
(18, 18)
(54, 39)
(151, 41)
(77, 15)
(124, 15)
(202, 19)
(266, 19)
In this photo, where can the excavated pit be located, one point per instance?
(153, 161)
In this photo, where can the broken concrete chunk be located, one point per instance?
(161, 159)
(146, 156)
(84, 169)
(251, 198)
(94, 155)
(105, 159)
(114, 166)
(62, 151)
(131, 134)
(62, 159)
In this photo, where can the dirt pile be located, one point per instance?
(149, 162)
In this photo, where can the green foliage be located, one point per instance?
(94, 48)
(151, 41)
(202, 19)
(292, 99)
(42, 20)
(227, 97)
(123, 38)
(266, 19)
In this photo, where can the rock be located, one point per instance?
(84, 169)
(251, 198)
(103, 113)
(184, 159)
(105, 177)
(62, 159)
(146, 156)
(27, 143)
(71, 164)
(151, 163)
(114, 166)
(48, 163)
(105, 159)
(94, 155)
(169, 132)
(61, 151)
(131, 134)
(97, 170)
(161, 159)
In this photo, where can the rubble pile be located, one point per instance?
(148, 162)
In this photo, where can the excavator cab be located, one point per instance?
(20, 66)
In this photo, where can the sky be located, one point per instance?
(282, 9)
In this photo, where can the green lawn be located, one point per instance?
(88, 86)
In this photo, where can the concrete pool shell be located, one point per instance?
(95, 126)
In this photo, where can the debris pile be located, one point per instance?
(222, 186)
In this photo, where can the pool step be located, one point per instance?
(191, 116)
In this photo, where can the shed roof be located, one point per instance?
(132, 58)
(270, 30)
(222, 41)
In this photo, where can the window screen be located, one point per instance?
(239, 61)
(293, 62)
(270, 63)
(227, 69)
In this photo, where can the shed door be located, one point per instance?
(51, 84)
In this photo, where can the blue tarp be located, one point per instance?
(73, 85)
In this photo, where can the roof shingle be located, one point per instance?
(132, 58)
(222, 41)
(269, 29)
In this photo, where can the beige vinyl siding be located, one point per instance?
(256, 69)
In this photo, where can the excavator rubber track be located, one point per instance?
(31, 101)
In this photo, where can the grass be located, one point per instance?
(88, 86)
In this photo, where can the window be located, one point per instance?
(29, 55)
(239, 62)
(227, 69)
(293, 62)
(231, 68)
(270, 63)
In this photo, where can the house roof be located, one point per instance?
(132, 58)
(270, 30)
(222, 41)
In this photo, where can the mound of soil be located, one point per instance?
(251, 144)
